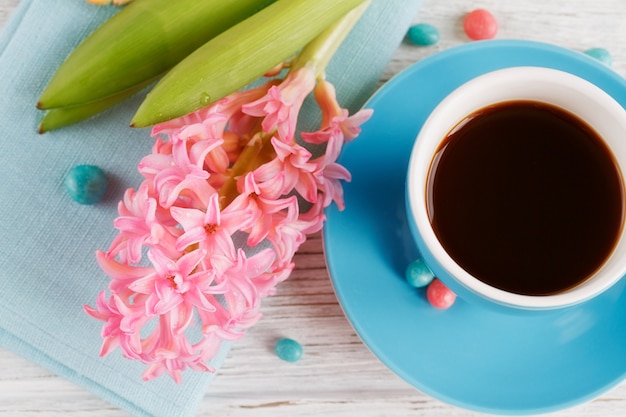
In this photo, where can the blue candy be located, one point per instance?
(601, 55)
(86, 184)
(288, 350)
(423, 34)
(418, 274)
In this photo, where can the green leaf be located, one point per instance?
(64, 116)
(142, 41)
(238, 56)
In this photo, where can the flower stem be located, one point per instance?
(321, 49)
(258, 151)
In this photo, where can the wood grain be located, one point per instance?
(337, 376)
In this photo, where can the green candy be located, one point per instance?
(423, 34)
(86, 184)
(418, 274)
(601, 55)
(288, 350)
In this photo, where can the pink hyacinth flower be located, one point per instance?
(225, 177)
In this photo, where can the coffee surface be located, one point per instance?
(526, 197)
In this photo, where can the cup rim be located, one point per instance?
(423, 151)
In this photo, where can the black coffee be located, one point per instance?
(526, 197)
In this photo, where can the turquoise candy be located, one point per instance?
(86, 184)
(423, 34)
(418, 274)
(601, 55)
(288, 350)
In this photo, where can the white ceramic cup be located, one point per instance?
(561, 89)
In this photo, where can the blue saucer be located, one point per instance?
(469, 356)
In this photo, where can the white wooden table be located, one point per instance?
(338, 376)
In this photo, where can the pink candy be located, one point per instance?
(439, 296)
(480, 24)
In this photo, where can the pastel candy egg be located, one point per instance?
(423, 34)
(288, 350)
(601, 54)
(440, 296)
(480, 24)
(86, 184)
(418, 274)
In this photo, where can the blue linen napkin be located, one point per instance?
(47, 264)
